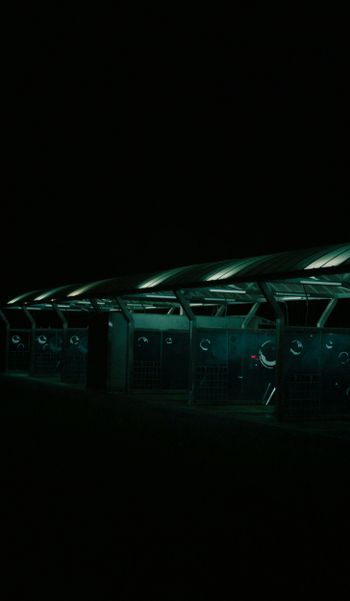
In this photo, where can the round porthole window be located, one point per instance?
(329, 344)
(42, 339)
(142, 341)
(296, 347)
(267, 354)
(74, 340)
(343, 357)
(16, 339)
(205, 344)
(169, 340)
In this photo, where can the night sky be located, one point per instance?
(140, 139)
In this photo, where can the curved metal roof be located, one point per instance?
(316, 261)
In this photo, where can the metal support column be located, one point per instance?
(64, 322)
(5, 320)
(61, 316)
(250, 316)
(30, 317)
(184, 304)
(280, 325)
(221, 310)
(33, 327)
(7, 330)
(326, 313)
(130, 347)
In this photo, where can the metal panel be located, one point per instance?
(47, 352)
(175, 360)
(119, 334)
(211, 366)
(236, 354)
(335, 355)
(234, 366)
(97, 359)
(145, 321)
(19, 346)
(161, 353)
(259, 365)
(147, 360)
(302, 372)
(74, 356)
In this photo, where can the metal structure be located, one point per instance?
(52, 349)
(221, 331)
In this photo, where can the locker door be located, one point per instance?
(147, 360)
(175, 360)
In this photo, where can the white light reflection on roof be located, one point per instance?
(331, 259)
(159, 278)
(19, 298)
(230, 270)
(86, 288)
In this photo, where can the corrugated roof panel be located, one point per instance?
(159, 278)
(299, 260)
(332, 258)
(249, 269)
(53, 292)
(262, 265)
(232, 268)
(200, 271)
(340, 259)
(24, 297)
(86, 288)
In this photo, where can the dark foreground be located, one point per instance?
(102, 493)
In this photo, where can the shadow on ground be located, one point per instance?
(179, 502)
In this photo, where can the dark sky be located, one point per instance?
(140, 139)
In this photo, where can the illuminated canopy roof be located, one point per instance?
(314, 268)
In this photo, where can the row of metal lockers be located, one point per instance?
(223, 364)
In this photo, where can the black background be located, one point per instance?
(138, 139)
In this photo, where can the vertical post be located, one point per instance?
(250, 315)
(326, 313)
(5, 320)
(221, 310)
(184, 304)
(130, 347)
(29, 317)
(280, 325)
(32, 342)
(64, 322)
(61, 316)
(7, 330)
